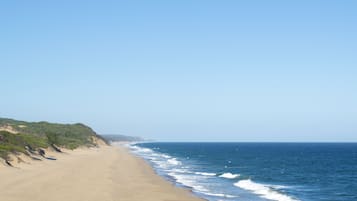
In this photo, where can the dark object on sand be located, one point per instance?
(8, 163)
(30, 149)
(35, 158)
(56, 148)
(41, 152)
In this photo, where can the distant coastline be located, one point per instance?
(121, 138)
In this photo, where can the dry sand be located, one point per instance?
(98, 174)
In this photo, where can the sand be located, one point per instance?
(108, 173)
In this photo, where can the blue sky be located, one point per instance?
(184, 70)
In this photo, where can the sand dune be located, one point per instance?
(99, 174)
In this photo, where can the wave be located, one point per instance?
(145, 150)
(229, 175)
(174, 161)
(280, 187)
(165, 156)
(205, 173)
(264, 191)
(180, 170)
(140, 149)
(177, 169)
(189, 181)
(221, 195)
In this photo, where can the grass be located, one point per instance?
(11, 143)
(42, 135)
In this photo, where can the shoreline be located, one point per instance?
(108, 173)
(185, 190)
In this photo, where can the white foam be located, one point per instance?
(229, 175)
(140, 149)
(205, 173)
(182, 175)
(221, 195)
(173, 161)
(279, 187)
(162, 164)
(264, 191)
(165, 156)
(188, 180)
(145, 150)
(180, 171)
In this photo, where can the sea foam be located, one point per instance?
(173, 161)
(229, 175)
(205, 173)
(221, 195)
(189, 181)
(262, 190)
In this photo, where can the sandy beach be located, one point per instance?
(108, 173)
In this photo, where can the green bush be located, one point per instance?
(42, 135)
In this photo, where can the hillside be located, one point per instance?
(29, 138)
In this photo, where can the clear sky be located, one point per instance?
(184, 70)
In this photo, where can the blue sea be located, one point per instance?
(258, 171)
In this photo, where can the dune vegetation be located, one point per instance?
(30, 137)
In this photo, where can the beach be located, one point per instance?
(108, 173)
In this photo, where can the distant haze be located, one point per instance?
(184, 70)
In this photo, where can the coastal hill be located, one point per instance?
(31, 139)
(117, 137)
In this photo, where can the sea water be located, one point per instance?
(258, 171)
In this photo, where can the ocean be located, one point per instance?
(257, 171)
